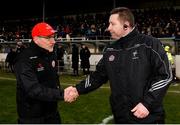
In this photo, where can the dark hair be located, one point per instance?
(125, 14)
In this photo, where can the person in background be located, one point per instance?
(138, 71)
(60, 57)
(167, 49)
(20, 47)
(10, 59)
(75, 59)
(84, 56)
(38, 88)
(168, 52)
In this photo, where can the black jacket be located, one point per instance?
(38, 88)
(138, 70)
(84, 56)
(75, 57)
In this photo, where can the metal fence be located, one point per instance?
(96, 47)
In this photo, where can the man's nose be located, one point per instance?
(109, 28)
(53, 41)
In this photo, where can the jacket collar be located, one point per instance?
(129, 40)
(38, 50)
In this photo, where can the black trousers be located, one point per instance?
(49, 119)
(159, 120)
(118, 121)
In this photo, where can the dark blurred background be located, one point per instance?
(86, 18)
(11, 9)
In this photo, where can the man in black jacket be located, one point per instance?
(38, 88)
(84, 56)
(138, 71)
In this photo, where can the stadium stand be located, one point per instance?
(90, 29)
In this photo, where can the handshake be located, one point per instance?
(70, 94)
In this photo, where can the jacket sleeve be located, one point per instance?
(94, 80)
(161, 76)
(27, 78)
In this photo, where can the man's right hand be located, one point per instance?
(70, 94)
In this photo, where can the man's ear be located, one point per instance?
(126, 24)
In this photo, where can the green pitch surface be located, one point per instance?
(91, 108)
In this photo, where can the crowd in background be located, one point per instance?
(156, 22)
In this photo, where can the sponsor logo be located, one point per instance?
(40, 67)
(135, 55)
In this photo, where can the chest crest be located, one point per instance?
(135, 54)
(40, 67)
(53, 64)
(111, 58)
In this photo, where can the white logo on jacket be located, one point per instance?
(40, 67)
(53, 64)
(111, 58)
(135, 55)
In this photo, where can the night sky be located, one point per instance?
(34, 8)
(11, 9)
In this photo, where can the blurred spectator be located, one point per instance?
(168, 52)
(60, 57)
(84, 56)
(20, 47)
(10, 59)
(167, 48)
(75, 59)
(68, 38)
(149, 21)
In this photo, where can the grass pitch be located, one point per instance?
(91, 108)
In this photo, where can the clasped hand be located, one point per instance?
(70, 94)
(140, 111)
